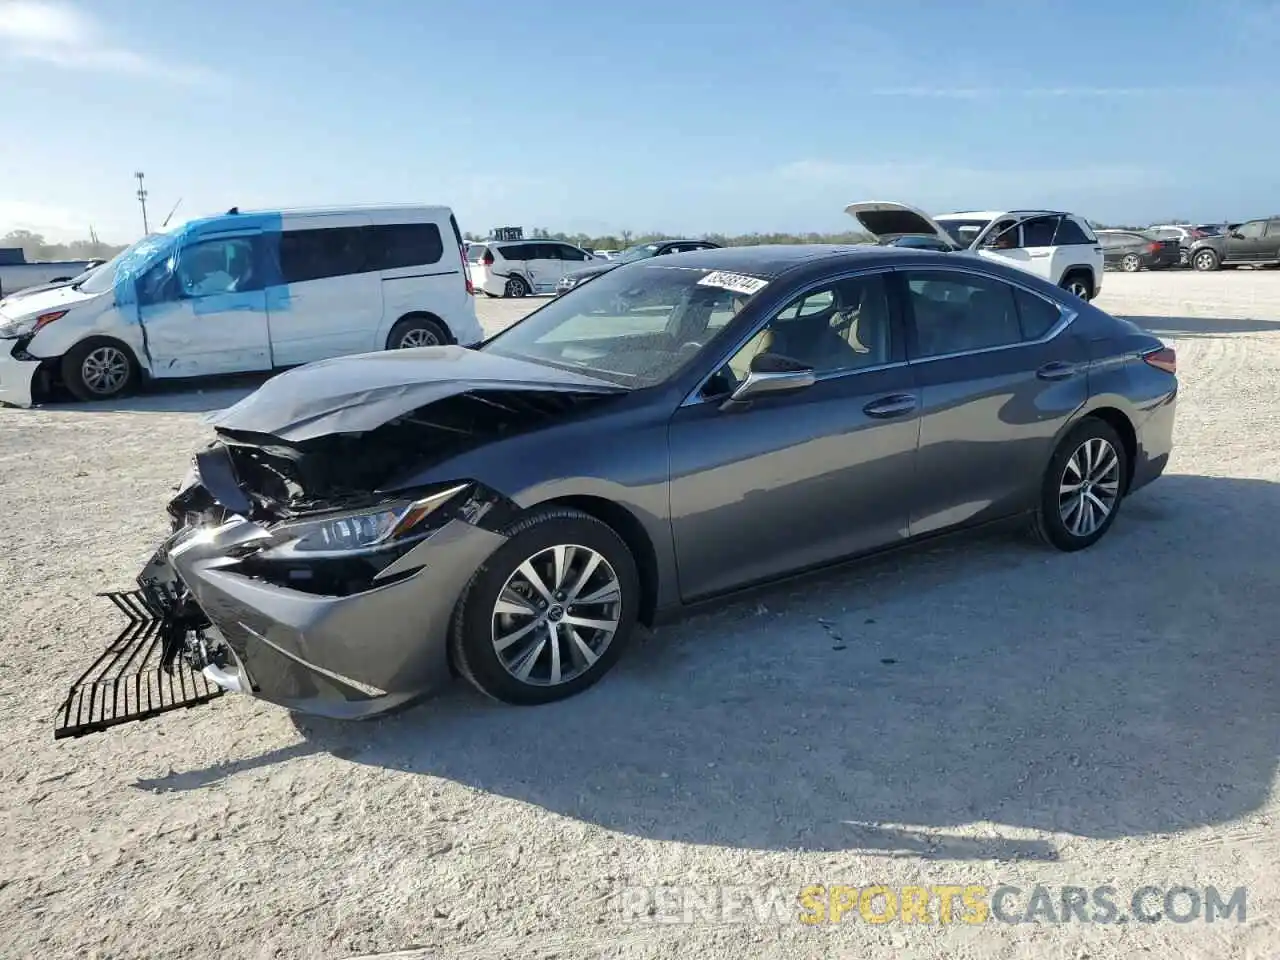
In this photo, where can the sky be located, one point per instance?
(664, 116)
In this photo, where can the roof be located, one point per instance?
(766, 260)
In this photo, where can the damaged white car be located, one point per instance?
(1059, 247)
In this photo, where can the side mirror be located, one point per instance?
(770, 374)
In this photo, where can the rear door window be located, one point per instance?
(960, 313)
(392, 246)
(476, 252)
(1036, 314)
(1039, 231)
(515, 251)
(327, 252)
(1069, 233)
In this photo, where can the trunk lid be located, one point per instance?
(888, 219)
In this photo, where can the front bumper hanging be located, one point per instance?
(144, 672)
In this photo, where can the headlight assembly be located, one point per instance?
(358, 532)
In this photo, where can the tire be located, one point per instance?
(100, 369)
(1205, 260)
(1078, 283)
(1131, 263)
(1057, 520)
(410, 332)
(478, 625)
(515, 287)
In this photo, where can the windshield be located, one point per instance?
(103, 278)
(635, 326)
(641, 251)
(963, 232)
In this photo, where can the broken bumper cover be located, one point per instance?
(345, 657)
(16, 375)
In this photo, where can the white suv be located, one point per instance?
(518, 268)
(1060, 247)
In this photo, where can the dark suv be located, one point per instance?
(641, 251)
(1254, 242)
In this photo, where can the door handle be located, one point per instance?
(1056, 370)
(891, 406)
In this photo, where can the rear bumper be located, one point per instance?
(342, 657)
(16, 376)
(1155, 442)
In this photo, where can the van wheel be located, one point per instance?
(99, 369)
(412, 332)
(515, 287)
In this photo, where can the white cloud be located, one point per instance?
(61, 35)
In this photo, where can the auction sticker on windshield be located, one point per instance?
(737, 282)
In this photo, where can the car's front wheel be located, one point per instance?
(549, 612)
(99, 369)
(1083, 487)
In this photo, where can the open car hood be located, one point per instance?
(887, 220)
(357, 394)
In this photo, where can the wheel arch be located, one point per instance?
(1082, 268)
(1119, 421)
(633, 533)
(424, 315)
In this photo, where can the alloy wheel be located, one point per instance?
(1131, 264)
(418, 337)
(515, 287)
(105, 370)
(1205, 260)
(1079, 289)
(1089, 487)
(556, 615)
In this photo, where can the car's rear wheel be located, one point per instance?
(515, 287)
(1078, 283)
(1205, 260)
(549, 612)
(410, 332)
(1083, 487)
(1131, 263)
(99, 369)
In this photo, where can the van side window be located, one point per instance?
(218, 266)
(396, 245)
(316, 254)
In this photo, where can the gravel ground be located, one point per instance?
(994, 714)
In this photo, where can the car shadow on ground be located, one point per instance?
(1126, 690)
(1201, 326)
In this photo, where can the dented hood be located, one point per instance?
(361, 393)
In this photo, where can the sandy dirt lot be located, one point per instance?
(996, 714)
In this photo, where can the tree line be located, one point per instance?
(35, 247)
(626, 238)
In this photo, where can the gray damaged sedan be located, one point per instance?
(362, 529)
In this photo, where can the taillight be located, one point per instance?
(1163, 358)
(488, 258)
(466, 268)
(1154, 248)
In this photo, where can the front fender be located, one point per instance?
(57, 338)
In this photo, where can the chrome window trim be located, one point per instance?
(693, 398)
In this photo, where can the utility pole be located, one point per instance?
(142, 199)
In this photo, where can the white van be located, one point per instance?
(521, 268)
(243, 292)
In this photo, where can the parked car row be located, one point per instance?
(1203, 247)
